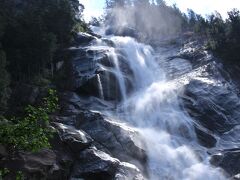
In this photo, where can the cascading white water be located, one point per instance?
(155, 110)
(153, 107)
(145, 71)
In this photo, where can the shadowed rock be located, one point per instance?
(95, 164)
(228, 160)
(77, 140)
(83, 38)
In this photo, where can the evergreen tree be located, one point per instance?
(192, 16)
(4, 75)
(4, 83)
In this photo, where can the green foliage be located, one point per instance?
(223, 36)
(3, 173)
(80, 27)
(32, 132)
(95, 21)
(19, 175)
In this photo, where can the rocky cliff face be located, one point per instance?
(91, 144)
(211, 98)
(88, 145)
(88, 68)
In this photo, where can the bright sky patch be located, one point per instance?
(94, 8)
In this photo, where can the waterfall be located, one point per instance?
(118, 73)
(100, 88)
(154, 108)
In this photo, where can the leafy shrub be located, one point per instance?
(32, 132)
(5, 171)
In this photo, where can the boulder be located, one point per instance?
(77, 140)
(127, 171)
(95, 164)
(39, 165)
(84, 38)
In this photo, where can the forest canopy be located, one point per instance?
(32, 32)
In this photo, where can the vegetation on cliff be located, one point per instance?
(222, 34)
(31, 132)
(32, 34)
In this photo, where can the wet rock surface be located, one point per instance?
(103, 159)
(97, 144)
(208, 97)
(212, 100)
(122, 141)
(93, 69)
(95, 164)
(205, 138)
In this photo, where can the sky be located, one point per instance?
(94, 8)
